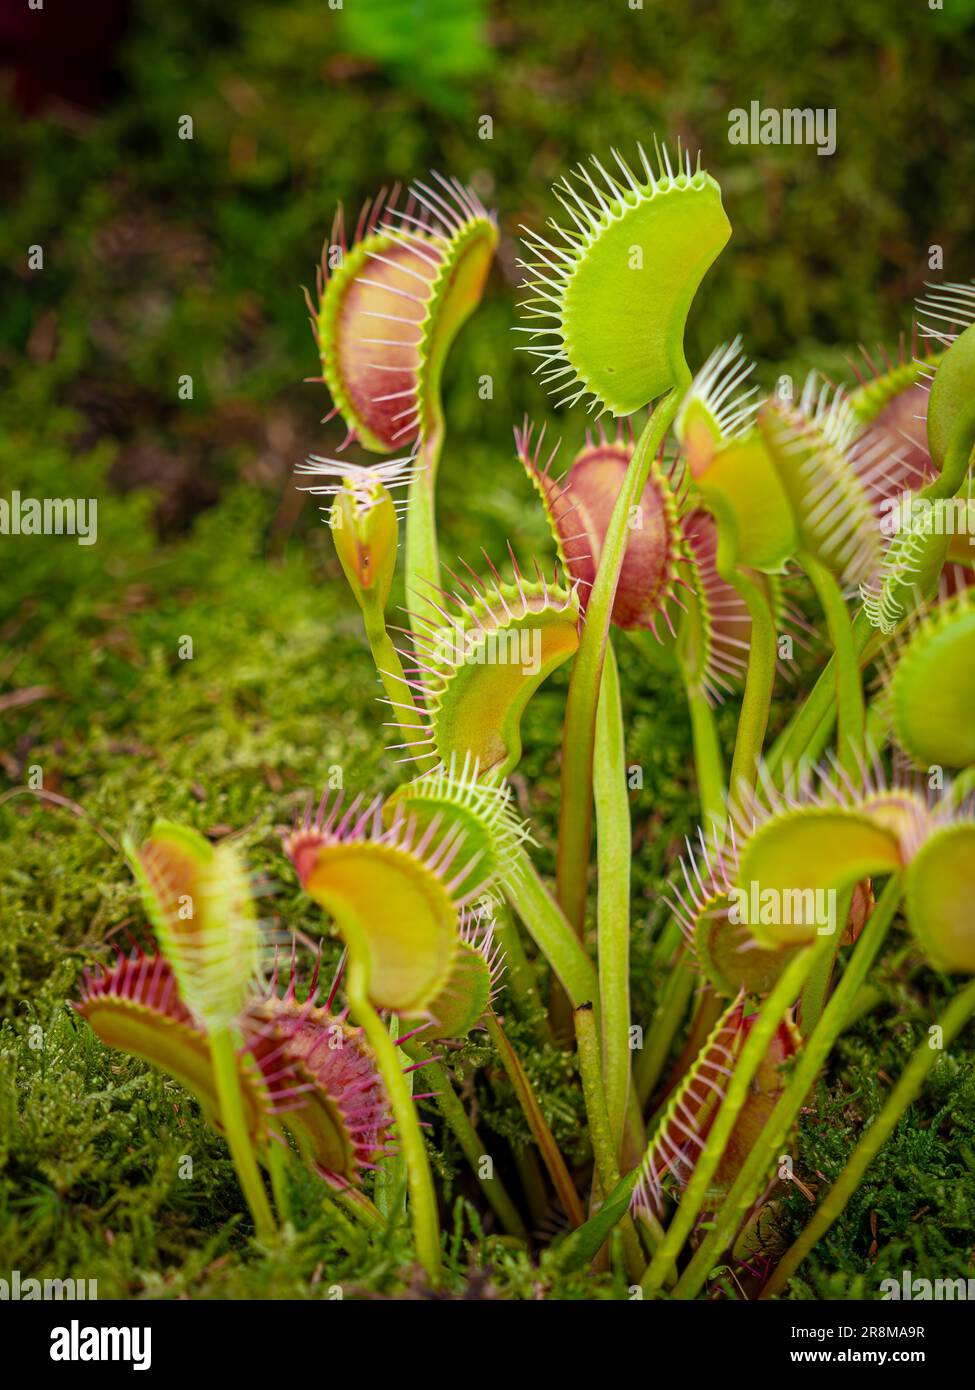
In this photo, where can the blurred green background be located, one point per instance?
(165, 257)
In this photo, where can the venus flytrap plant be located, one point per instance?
(751, 1179)
(713, 1125)
(480, 810)
(462, 1005)
(692, 543)
(296, 1068)
(481, 652)
(483, 808)
(818, 835)
(389, 306)
(757, 483)
(363, 519)
(939, 885)
(721, 948)
(729, 467)
(415, 959)
(834, 506)
(357, 867)
(198, 901)
(458, 808)
(787, 846)
(813, 518)
(685, 526)
(579, 507)
(914, 556)
(614, 332)
(580, 292)
(834, 837)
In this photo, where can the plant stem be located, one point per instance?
(751, 1179)
(423, 1201)
(904, 1093)
(422, 560)
(471, 1144)
(352, 1235)
(708, 760)
(277, 1161)
(355, 1201)
(575, 808)
(389, 1177)
(605, 1144)
(816, 987)
(537, 1123)
(390, 669)
(756, 1046)
(604, 1148)
(759, 682)
(613, 903)
(223, 1055)
(849, 691)
(551, 933)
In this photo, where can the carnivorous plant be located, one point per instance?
(705, 522)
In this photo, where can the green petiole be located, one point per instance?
(613, 903)
(223, 1055)
(578, 739)
(423, 1201)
